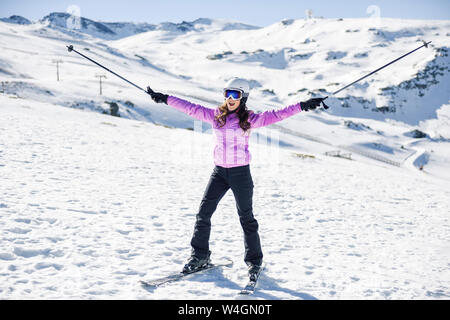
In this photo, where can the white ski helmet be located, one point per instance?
(238, 84)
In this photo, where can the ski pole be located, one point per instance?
(70, 49)
(425, 44)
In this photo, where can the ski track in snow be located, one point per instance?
(90, 204)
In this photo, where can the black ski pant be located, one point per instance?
(239, 180)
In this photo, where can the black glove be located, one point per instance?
(157, 96)
(311, 104)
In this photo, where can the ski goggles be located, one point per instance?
(234, 94)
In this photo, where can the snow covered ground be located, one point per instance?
(90, 203)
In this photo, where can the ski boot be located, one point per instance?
(195, 263)
(254, 269)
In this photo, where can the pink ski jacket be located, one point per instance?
(231, 148)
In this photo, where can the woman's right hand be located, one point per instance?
(157, 96)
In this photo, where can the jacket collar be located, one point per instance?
(234, 111)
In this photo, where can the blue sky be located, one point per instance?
(261, 13)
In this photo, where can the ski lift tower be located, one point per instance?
(100, 76)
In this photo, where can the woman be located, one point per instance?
(231, 122)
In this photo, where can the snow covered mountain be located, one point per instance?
(116, 30)
(286, 62)
(16, 19)
(360, 190)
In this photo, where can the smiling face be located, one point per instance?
(232, 104)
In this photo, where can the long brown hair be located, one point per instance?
(242, 113)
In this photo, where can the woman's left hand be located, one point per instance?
(311, 104)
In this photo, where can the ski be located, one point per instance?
(154, 283)
(251, 284)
